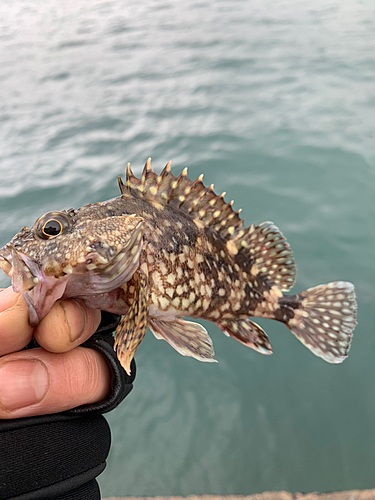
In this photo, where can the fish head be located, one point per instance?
(65, 254)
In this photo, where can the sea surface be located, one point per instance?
(274, 101)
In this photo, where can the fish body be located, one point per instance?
(168, 248)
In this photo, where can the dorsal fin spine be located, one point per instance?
(166, 170)
(201, 195)
(193, 192)
(220, 210)
(216, 206)
(229, 217)
(163, 182)
(129, 175)
(184, 195)
(176, 183)
(209, 190)
(121, 185)
(147, 170)
(232, 215)
(196, 201)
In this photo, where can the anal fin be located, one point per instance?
(248, 333)
(188, 338)
(133, 325)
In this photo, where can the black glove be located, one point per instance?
(122, 383)
(59, 456)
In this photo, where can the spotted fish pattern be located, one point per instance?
(167, 248)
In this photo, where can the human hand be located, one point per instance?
(57, 376)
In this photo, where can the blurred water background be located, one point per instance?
(274, 102)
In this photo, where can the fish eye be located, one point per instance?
(51, 225)
(52, 228)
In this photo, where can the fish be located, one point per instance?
(168, 248)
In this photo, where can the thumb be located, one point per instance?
(37, 382)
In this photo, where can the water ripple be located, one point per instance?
(274, 103)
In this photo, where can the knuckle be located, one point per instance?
(83, 375)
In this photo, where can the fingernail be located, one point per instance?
(22, 383)
(8, 299)
(75, 317)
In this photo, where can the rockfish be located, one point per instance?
(168, 248)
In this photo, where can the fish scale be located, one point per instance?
(188, 281)
(168, 248)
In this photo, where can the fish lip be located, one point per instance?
(21, 263)
(42, 297)
(8, 251)
(12, 259)
(30, 263)
(5, 251)
(39, 291)
(34, 316)
(6, 260)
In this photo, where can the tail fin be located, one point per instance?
(325, 320)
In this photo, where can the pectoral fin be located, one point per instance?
(188, 338)
(132, 327)
(248, 333)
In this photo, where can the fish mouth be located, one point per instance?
(18, 266)
(39, 291)
(6, 261)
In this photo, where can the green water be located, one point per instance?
(274, 102)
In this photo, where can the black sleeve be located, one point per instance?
(52, 457)
(59, 456)
(122, 383)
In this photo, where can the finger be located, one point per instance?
(15, 330)
(37, 382)
(67, 325)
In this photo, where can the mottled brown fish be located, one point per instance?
(168, 248)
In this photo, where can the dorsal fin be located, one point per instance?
(190, 196)
(265, 245)
(270, 252)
